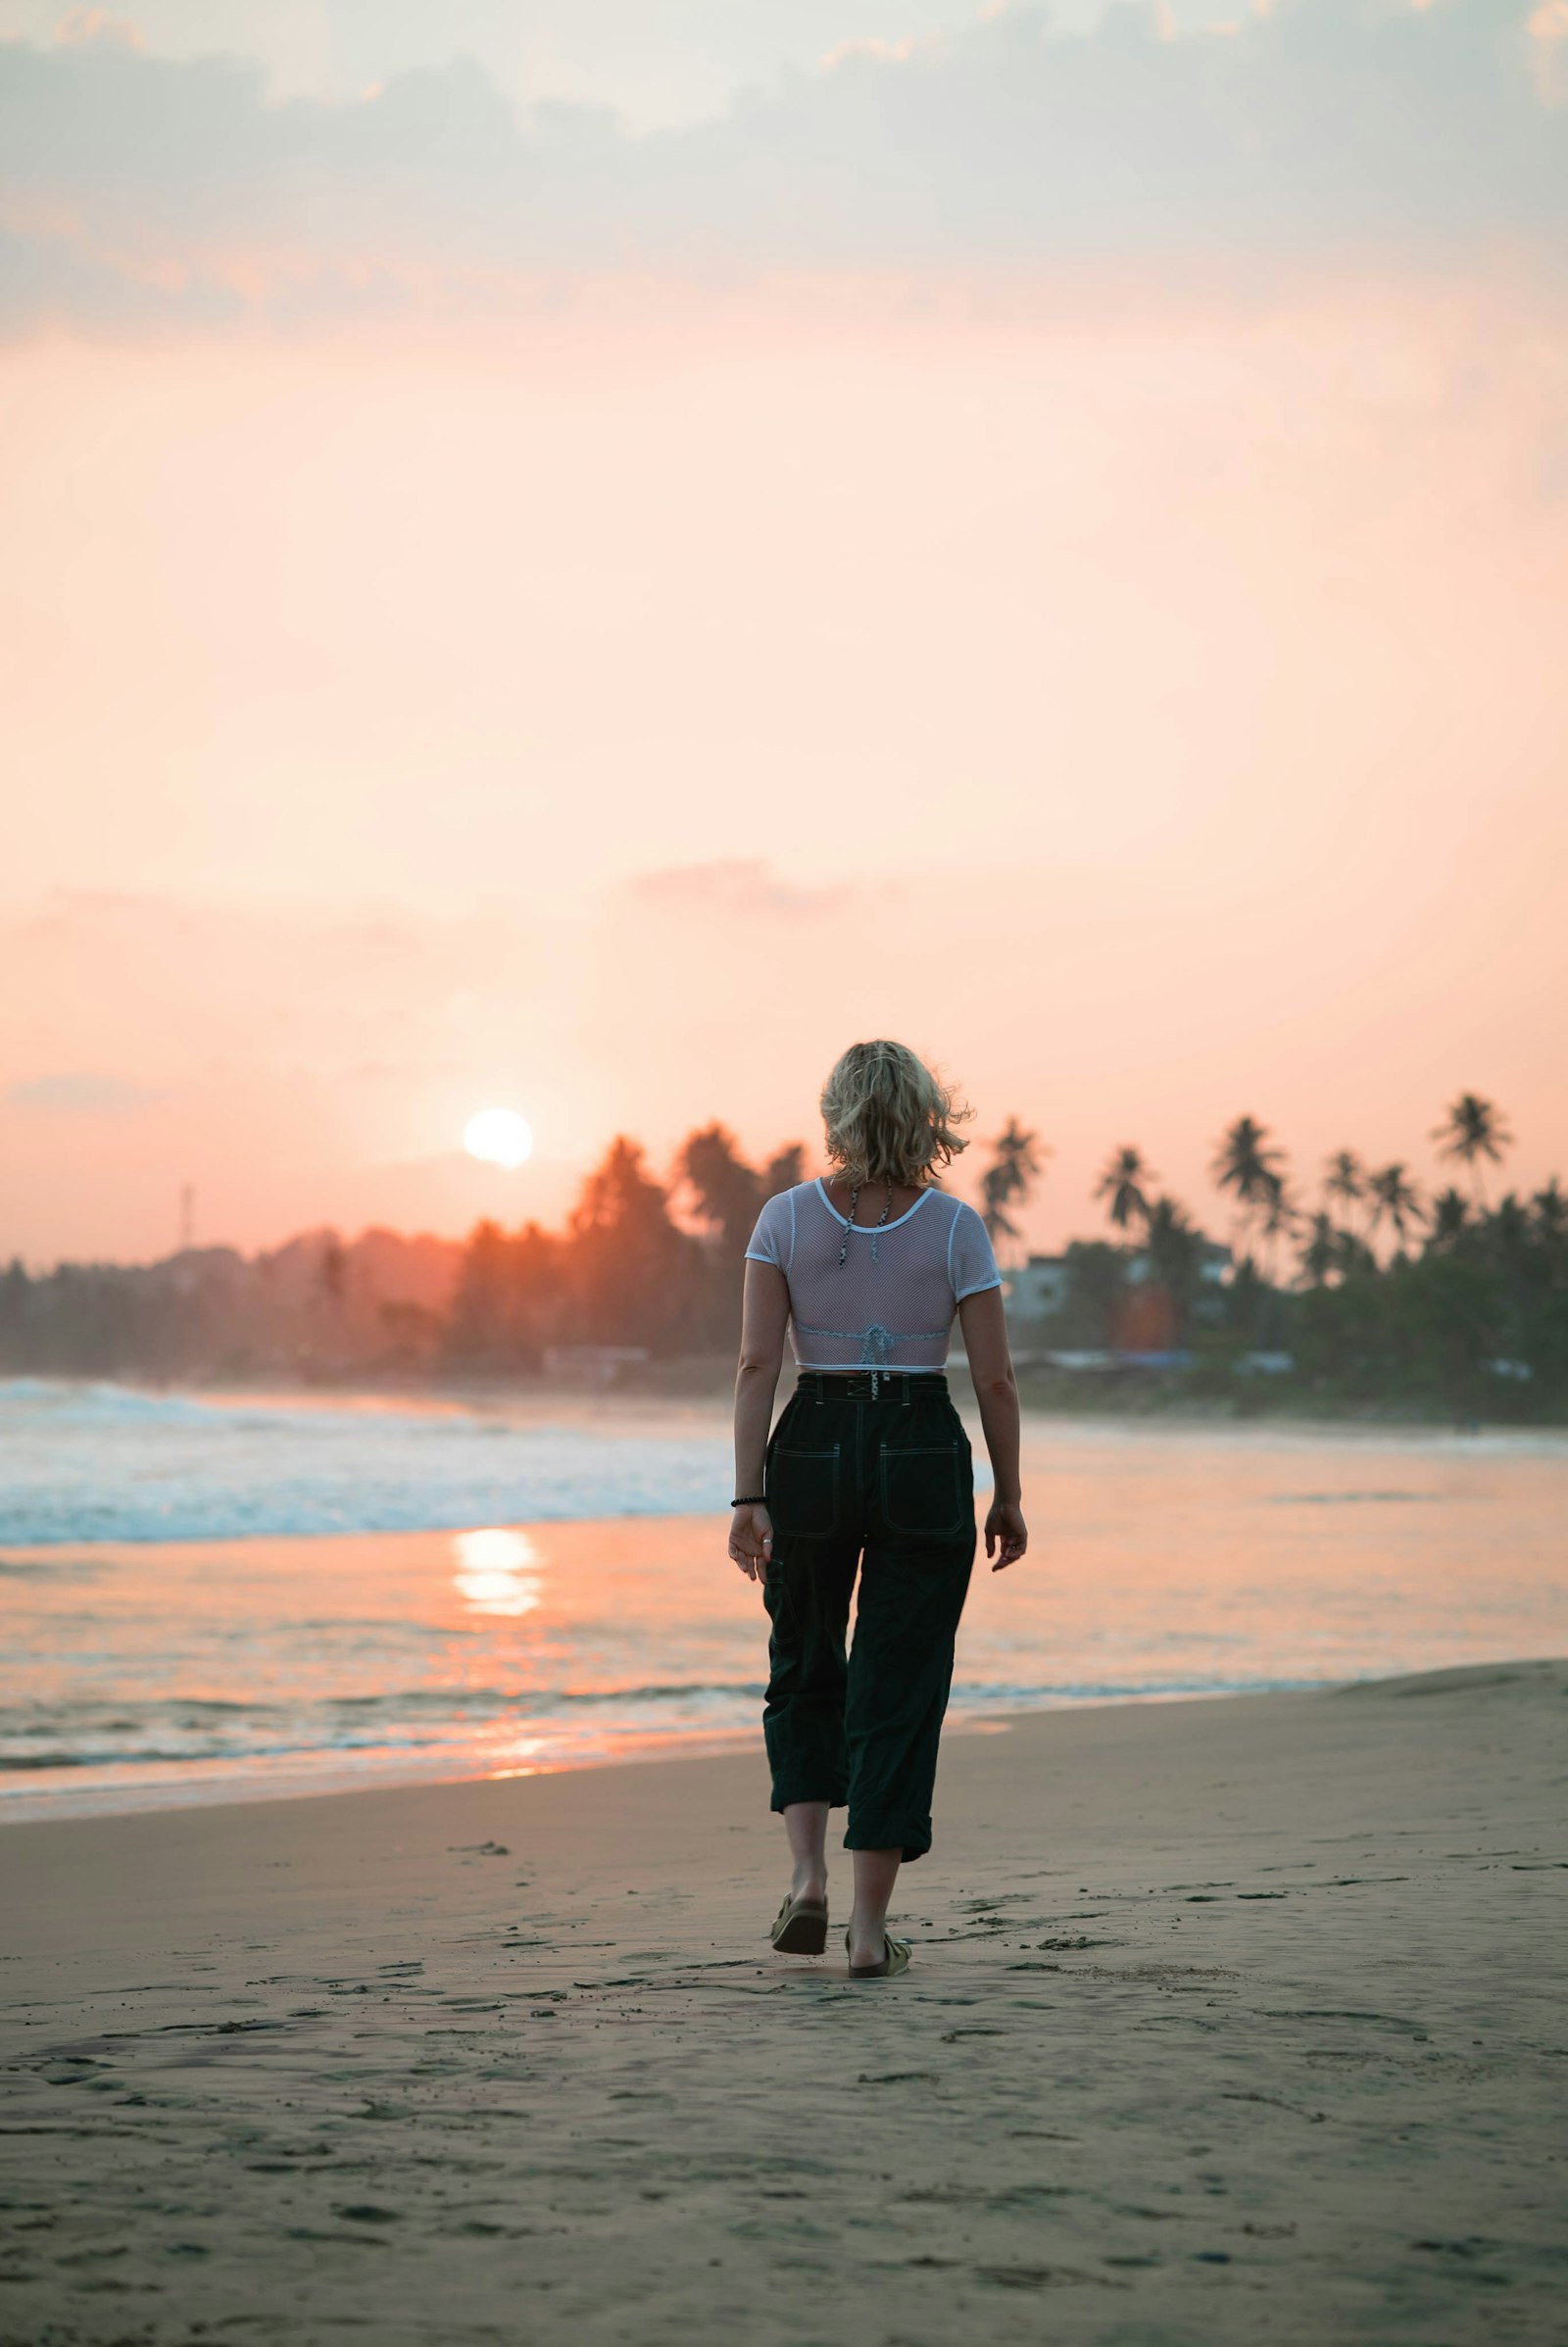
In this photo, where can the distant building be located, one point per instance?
(1037, 1288)
(1215, 1264)
(1144, 1323)
(1215, 1261)
(592, 1365)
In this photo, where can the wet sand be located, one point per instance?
(1230, 2020)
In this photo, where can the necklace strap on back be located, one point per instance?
(855, 1199)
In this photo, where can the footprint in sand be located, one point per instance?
(1045, 2277)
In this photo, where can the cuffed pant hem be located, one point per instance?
(786, 1796)
(863, 1837)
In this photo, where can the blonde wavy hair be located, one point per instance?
(888, 1118)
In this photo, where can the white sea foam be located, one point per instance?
(102, 1463)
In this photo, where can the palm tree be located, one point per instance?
(1451, 1211)
(1173, 1239)
(1344, 1180)
(1123, 1184)
(725, 1193)
(785, 1169)
(1551, 1209)
(1509, 1227)
(1472, 1129)
(1246, 1165)
(1171, 1242)
(1395, 1201)
(1014, 1169)
(1321, 1257)
(1278, 1217)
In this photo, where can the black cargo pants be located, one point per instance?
(875, 1474)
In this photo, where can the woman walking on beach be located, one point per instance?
(868, 1469)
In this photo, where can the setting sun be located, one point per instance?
(499, 1137)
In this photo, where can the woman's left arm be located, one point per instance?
(995, 1390)
(764, 1315)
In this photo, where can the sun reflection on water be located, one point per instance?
(498, 1571)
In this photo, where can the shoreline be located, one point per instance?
(1225, 2019)
(659, 1752)
(1149, 1397)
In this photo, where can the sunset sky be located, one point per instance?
(582, 557)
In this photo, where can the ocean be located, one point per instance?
(212, 1597)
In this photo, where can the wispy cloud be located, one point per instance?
(79, 1093)
(146, 192)
(745, 887)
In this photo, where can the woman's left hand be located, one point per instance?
(751, 1541)
(1007, 1534)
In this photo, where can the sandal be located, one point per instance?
(896, 1959)
(800, 1927)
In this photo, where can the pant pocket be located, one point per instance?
(925, 1492)
(803, 1492)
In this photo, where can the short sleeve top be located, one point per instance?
(892, 1300)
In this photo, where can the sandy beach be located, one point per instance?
(1229, 2021)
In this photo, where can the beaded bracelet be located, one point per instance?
(751, 1499)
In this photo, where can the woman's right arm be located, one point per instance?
(764, 1316)
(995, 1390)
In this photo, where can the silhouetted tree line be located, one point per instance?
(315, 1304)
(641, 1263)
(1374, 1291)
(624, 1271)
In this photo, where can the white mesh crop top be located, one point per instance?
(892, 1304)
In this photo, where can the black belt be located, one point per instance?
(868, 1384)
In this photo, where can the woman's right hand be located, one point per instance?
(751, 1541)
(1006, 1531)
